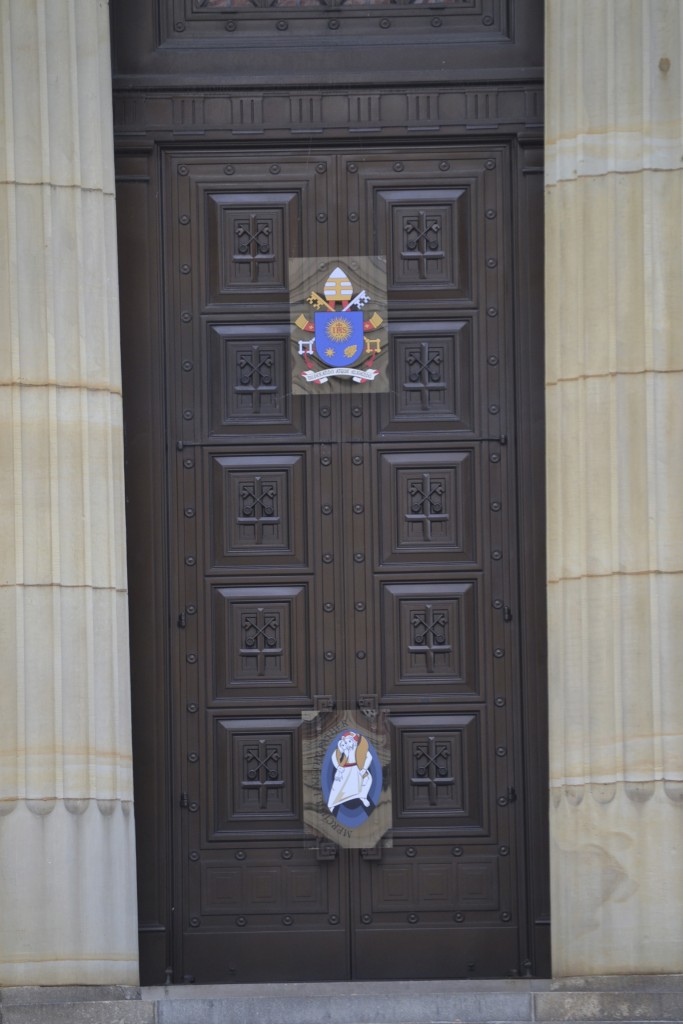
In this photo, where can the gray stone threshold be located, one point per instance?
(608, 1000)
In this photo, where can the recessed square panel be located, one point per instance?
(430, 640)
(256, 778)
(260, 643)
(478, 884)
(428, 508)
(222, 888)
(428, 241)
(394, 887)
(250, 240)
(258, 508)
(305, 887)
(432, 371)
(248, 381)
(264, 887)
(434, 885)
(439, 771)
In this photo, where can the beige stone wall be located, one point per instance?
(67, 862)
(614, 208)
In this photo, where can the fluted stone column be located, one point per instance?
(615, 495)
(67, 861)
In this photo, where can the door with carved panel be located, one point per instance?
(353, 549)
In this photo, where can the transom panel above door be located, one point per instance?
(354, 550)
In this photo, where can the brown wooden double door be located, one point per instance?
(352, 548)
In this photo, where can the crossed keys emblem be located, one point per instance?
(337, 333)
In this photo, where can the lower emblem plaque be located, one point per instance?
(347, 795)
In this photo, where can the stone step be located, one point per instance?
(578, 1001)
(406, 1002)
(75, 1005)
(101, 1012)
(419, 1006)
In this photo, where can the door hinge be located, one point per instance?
(511, 794)
(367, 702)
(184, 802)
(182, 620)
(525, 970)
(326, 850)
(372, 853)
(507, 613)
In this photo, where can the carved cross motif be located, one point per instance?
(255, 375)
(422, 242)
(253, 244)
(429, 635)
(426, 503)
(260, 638)
(262, 769)
(432, 767)
(258, 508)
(424, 372)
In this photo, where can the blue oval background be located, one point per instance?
(353, 813)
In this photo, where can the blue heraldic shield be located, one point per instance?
(339, 337)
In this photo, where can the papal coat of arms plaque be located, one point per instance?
(339, 330)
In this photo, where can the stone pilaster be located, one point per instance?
(614, 208)
(67, 861)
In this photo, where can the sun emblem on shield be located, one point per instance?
(339, 333)
(339, 329)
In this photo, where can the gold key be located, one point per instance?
(315, 300)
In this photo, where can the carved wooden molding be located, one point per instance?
(375, 112)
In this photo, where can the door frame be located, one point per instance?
(159, 105)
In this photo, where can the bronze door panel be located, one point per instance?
(257, 509)
(351, 549)
(434, 361)
(246, 368)
(428, 509)
(255, 768)
(250, 235)
(438, 775)
(260, 644)
(431, 649)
